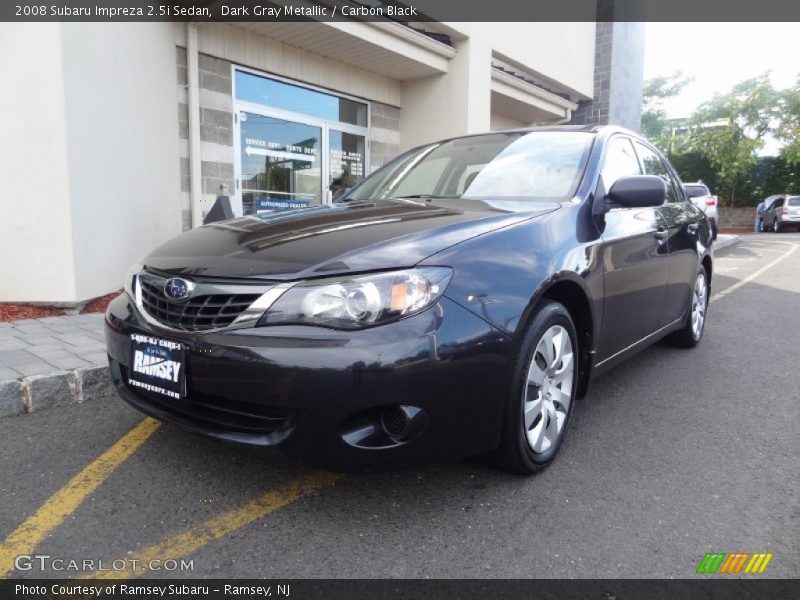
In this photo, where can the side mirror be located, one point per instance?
(637, 191)
(340, 193)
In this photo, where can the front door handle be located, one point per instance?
(661, 235)
(692, 227)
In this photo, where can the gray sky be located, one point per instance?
(719, 55)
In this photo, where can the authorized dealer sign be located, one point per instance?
(155, 591)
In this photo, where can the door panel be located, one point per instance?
(683, 258)
(635, 263)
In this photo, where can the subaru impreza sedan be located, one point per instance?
(456, 302)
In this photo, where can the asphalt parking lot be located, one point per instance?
(672, 455)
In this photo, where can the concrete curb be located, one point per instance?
(29, 394)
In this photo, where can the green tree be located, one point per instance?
(655, 125)
(730, 128)
(788, 131)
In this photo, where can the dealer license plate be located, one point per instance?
(158, 366)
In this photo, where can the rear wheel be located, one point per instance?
(776, 227)
(691, 333)
(545, 378)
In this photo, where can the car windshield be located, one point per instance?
(793, 201)
(527, 166)
(695, 191)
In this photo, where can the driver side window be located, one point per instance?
(620, 161)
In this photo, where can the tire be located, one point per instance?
(776, 227)
(692, 332)
(761, 227)
(542, 394)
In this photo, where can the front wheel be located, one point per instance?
(691, 333)
(545, 378)
(776, 227)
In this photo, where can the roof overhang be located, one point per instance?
(527, 102)
(384, 47)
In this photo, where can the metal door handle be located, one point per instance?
(692, 227)
(661, 235)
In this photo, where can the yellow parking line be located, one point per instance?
(753, 275)
(194, 538)
(60, 505)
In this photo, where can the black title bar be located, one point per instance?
(400, 10)
(349, 589)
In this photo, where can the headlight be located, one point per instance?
(130, 277)
(359, 302)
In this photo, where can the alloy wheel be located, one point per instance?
(699, 305)
(548, 392)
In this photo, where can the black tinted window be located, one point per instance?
(695, 191)
(653, 165)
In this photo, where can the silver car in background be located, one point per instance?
(780, 211)
(703, 199)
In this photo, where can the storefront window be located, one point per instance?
(270, 92)
(296, 146)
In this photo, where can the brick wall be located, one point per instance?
(216, 129)
(737, 217)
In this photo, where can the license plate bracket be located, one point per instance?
(158, 366)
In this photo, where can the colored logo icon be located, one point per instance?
(734, 562)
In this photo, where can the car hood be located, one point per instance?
(333, 239)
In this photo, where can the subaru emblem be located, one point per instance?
(177, 289)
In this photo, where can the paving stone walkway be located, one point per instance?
(38, 346)
(52, 360)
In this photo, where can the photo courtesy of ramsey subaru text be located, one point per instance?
(456, 302)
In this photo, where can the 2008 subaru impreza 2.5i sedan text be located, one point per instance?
(456, 302)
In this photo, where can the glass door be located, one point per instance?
(280, 163)
(346, 159)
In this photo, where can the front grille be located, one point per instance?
(209, 311)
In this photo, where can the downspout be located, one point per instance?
(567, 118)
(193, 102)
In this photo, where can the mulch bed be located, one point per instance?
(15, 312)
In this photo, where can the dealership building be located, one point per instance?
(115, 137)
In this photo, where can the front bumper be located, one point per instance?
(318, 394)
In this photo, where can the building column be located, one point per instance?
(450, 104)
(618, 68)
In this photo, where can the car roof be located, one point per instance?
(596, 129)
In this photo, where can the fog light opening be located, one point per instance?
(396, 422)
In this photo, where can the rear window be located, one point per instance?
(793, 201)
(695, 191)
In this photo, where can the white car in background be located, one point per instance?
(702, 198)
